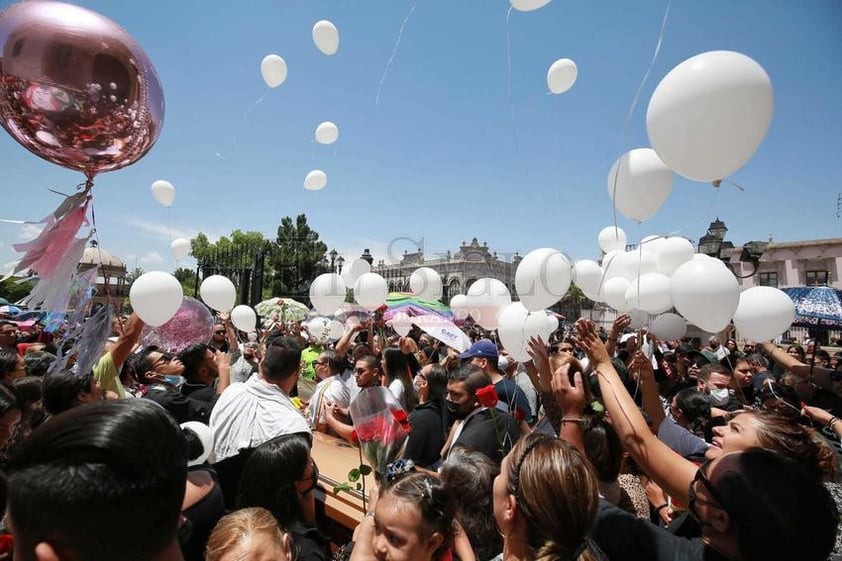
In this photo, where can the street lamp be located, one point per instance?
(751, 252)
(333, 253)
(339, 262)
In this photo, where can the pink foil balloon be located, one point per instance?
(192, 323)
(75, 88)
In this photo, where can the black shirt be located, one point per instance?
(181, 407)
(479, 434)
(429, 422)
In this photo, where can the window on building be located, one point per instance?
(768, 279)
(818, 278)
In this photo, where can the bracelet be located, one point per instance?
(659, 508)
(369, 514)
(833, 420)
(578, 420)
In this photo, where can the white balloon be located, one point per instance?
(587, 275)
(315, 180)
(512, 330)
(327, 293)
(243, 318)
(337, 330)
(552, 322)
(459, 305)
(327, 133)
(639, 183)
(669, 327)
(528, 5)
(180, 248)
(639, 319)
(562, 75)
(355, 270)
(709, 115)
(631, 264)
(205, 434)
(401, 323)
(156, 297)
(612, 238)
(486, 297)
(651, 293)
(319, 329)
(163, 192)
(218, 292)
(674, 252)
(764, 313)
(274, 70)
(326, 37)
(370, 291)
(425, 283)
(542, 278)
(705, 293)
(614, 293)
(652, 243)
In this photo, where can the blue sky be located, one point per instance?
(435, 160)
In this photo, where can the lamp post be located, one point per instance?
(712, 246)
(340, 261)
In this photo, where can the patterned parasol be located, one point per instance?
(816, 306)
(412, 306)
(282, 309)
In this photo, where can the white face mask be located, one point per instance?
(719, 396)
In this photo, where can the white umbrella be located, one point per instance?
(443, 330)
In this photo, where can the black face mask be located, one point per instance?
(455, 410)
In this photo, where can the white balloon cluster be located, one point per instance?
(425, 283)
(665, 272)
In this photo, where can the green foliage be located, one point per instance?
(299, 257)
(12, 289)
(236, 251)
(187, 278)
(131, 277)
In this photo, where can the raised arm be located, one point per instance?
(819, 374)
(617, 328)
(345, 341)
(667, 468)
(642, 368)
(127, 341)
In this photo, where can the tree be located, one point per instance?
(234, 252)
(131, 277)
(187, 278)
(14, 288)
(299, 257)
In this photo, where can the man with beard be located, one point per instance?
(484, 429)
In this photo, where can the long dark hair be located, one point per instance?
(397, 368)
(269, 476)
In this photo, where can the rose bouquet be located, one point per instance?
(380, 425)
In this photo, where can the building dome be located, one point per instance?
(96, 256)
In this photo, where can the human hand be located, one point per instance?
(620, 324)
(589, 341)
(816, 414)
(571, 398)
(641, 367)
(537, 349)
(224, 317)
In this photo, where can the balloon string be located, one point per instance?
(394, 52)
(633, 105)
(511, 95)
(95, 233)
(245, 118)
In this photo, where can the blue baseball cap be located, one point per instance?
(483, 348)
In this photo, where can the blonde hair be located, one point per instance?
(238, 527)
(557, 493)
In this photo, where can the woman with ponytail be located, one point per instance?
(545, 502)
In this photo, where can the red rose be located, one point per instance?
(402, 418)
(487, 396)
(7, 543)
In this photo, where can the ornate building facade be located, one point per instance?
(458, 270)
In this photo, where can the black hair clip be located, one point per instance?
(398, 468)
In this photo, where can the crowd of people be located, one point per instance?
(607, 444)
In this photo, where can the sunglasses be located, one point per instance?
(218, 332)
(711, 490)
(313, 479)
(165, 358)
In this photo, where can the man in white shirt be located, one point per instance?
(250, 413)
(330, 371)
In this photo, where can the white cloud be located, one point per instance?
(160, 231)
(30, 231)
(151, 258)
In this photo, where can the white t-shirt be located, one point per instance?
(330, 389)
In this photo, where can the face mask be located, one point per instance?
(455, 410)
(719, 396)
